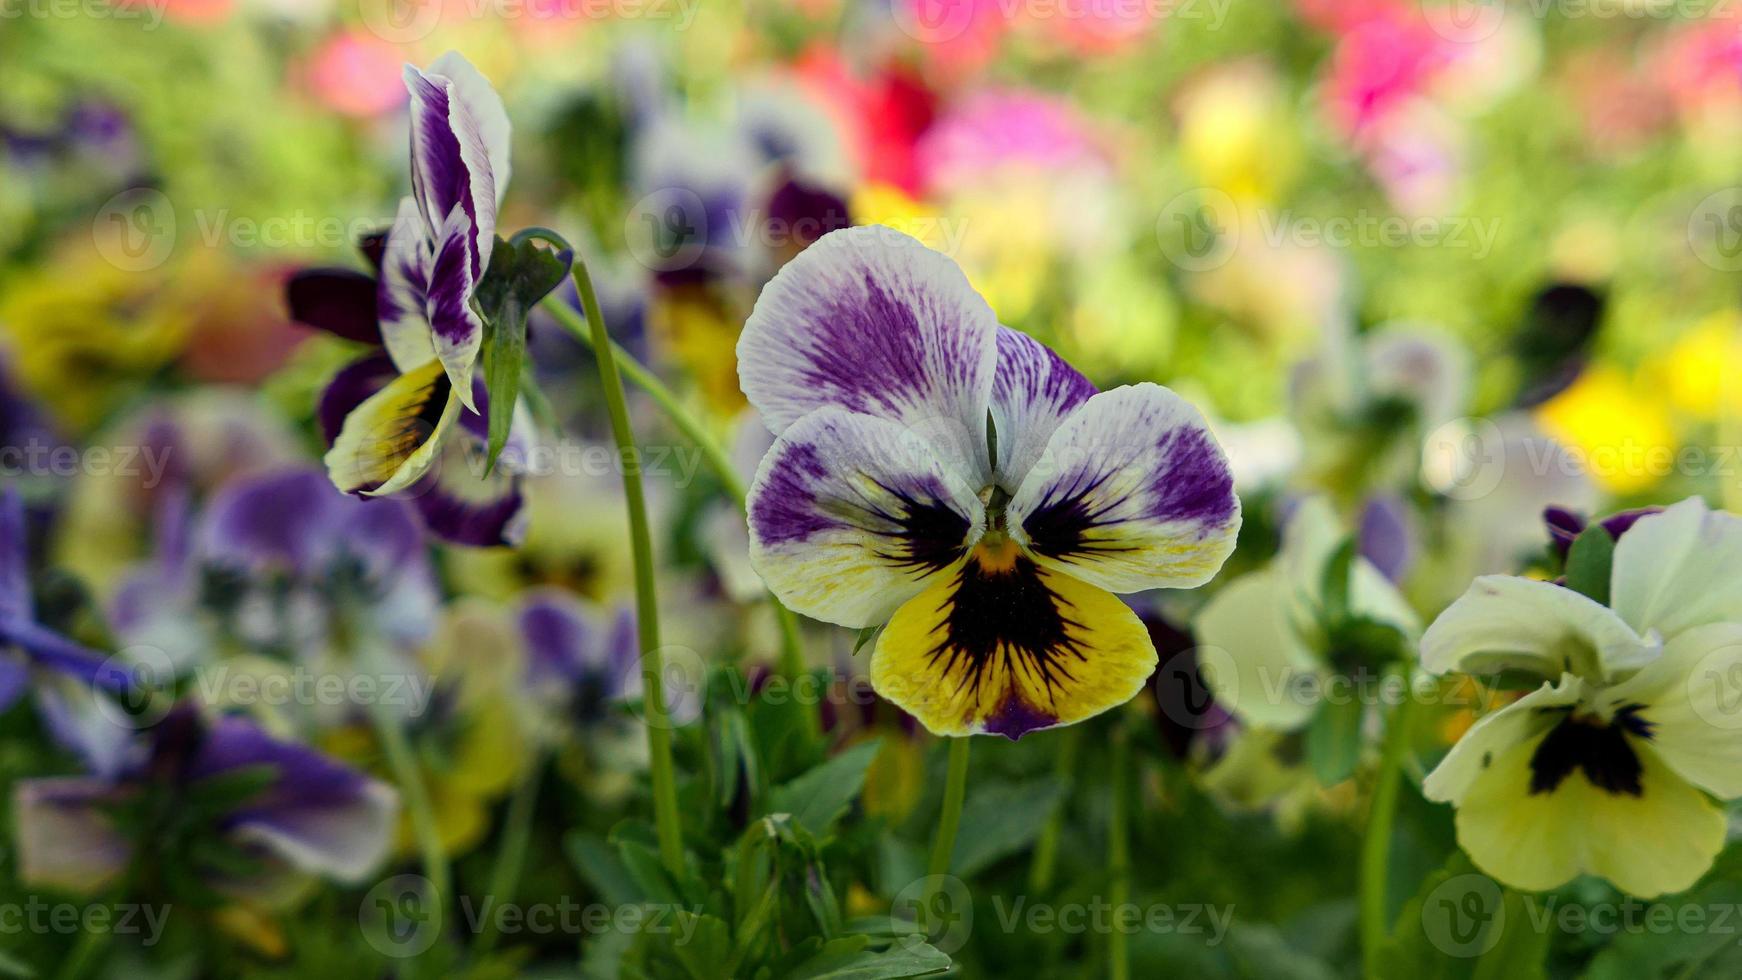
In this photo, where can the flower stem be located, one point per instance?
(516, 834)
(791, 650)
(665, 813)
(1119, 855)
(1047, 848)
(944, 844)
(403, 762)
(1376, 844)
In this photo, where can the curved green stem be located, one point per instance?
(516, 834)
(1046, 849)
(403, 762)
(1119, 856)
(791, 649)
(665, 813)
(1376, 844)
(944, 844)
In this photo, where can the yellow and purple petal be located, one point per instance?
(1131, 493)
(850, 514)
(390, 440)
(1006, 646)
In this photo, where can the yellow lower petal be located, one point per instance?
(1000, 645)
(390, 440)
(1658, 841)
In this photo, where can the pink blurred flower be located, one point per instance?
(356, 73)
(998, 128)
(883, 113)
(1380, 65)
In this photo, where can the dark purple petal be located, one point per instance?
(49, 649)
(353, 385)
(306, 778)
(339, 301)
(462, 507)
(14, 679)
(1565, 525)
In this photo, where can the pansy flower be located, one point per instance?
(1604, 768)
(26, 644)
(397, 412)
(1270, 640)
(960, 482)
(302, 814)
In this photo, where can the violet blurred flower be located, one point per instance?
(24, 643)
(308, 815)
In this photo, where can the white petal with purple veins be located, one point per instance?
(1033, 391)
(454, 327)
(1131, 493)
(402, 292)
(851, 514)
(871, 321)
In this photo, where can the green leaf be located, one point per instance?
(850, 959)
(1463, 925)
(518, 277)
(1000, 819)
(864, 637)
(1589, 561)
(15, 968)
(599, 865)
(817, 798)
(1333, 741)
(707, 955)
(1339, 569)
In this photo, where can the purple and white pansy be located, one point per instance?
(25, 644)
(413, 416)
(309, 815)
(960, 482)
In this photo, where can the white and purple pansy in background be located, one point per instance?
(25, 644)
(580, 659)
(273, 561)
(414, 416)
(310, 816)
(960, 482)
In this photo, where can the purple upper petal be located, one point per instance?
(352, 386)
(870, 320)
(1033, 390)
(339, 301)
(1385, 536)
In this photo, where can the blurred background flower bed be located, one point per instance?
(1427, 271)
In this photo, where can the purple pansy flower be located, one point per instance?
(579, 659)
(1565, 524)
(25, 643)
(959, 481)
(389, 418)
(313, 816)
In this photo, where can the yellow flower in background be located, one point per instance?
(1229, 122)
(696, 327)
(1620, 429)
(574, 535)
(83, 332)
(1701, 373)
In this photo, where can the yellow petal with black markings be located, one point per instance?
(999, 645)
(390, 440)
(1587, 801)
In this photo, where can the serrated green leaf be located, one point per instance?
(1589, 561)
(819, 797)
